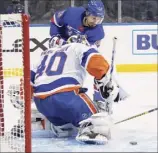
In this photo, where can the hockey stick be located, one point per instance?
(138, 115)
(108, 105)
(113, 57)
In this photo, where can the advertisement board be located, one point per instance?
(136, 47)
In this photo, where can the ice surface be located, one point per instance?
(142, 88)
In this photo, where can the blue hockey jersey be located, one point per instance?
(70, 22)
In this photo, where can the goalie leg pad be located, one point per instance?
(95, 130)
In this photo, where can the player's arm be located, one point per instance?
(56, 29)
(96, 36)
(56, 23)
(98, 66)
(33, 73)
(32, 77)
(93, 62)
(34, 70)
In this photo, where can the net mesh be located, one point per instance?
(12, 108)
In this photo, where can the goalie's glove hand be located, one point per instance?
(109, 90)
(56, 41)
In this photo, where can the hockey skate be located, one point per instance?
(95, 130)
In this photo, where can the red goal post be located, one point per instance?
(15, 92)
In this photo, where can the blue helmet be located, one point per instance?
(96, 8)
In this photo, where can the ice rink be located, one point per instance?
(142, 88)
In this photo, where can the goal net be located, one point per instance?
(15, 95)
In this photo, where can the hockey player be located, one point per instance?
(85, 21)
(58, 93)
(79, 20)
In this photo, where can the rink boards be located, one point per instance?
(136, 47)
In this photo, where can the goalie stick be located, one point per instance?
(108, 106)
(113, 57)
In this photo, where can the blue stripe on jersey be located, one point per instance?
(86, 54)
(32, 76)
(55, 84)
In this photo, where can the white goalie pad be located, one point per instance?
(96, 129)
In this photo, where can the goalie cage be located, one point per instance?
(15, 114)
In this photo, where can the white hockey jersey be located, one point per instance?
(64, 69)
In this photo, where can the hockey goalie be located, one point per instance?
(60, 97)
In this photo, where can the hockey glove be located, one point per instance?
(56, 41)
(109, 90)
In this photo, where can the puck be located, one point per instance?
(133, 142)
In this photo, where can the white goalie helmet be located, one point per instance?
(15, 96)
